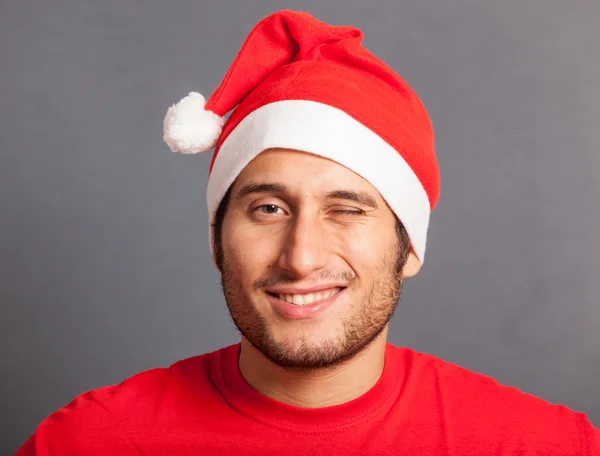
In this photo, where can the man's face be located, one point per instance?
(310, 255)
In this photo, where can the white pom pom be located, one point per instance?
(189, 128)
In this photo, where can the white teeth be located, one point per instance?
(308, 298)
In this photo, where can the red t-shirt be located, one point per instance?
(421, 405)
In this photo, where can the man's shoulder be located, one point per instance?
(428, 365)
(107, 412)
(459, 381)
(479, 403)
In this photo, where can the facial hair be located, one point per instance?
(367, 318)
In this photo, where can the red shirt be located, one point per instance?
(421, 405)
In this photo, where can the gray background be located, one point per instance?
(105, 268)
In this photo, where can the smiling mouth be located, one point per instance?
(306, 298)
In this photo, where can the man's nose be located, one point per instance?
(304, 249)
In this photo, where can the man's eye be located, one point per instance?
(269, 209)
(349, 212)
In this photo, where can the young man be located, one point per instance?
(319, 197)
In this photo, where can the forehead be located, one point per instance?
(302, 171)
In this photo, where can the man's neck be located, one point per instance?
(314, 388)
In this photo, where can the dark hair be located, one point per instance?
(403, 239)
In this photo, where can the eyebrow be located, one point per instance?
(362, 198)
(255, 187)
(359, 197)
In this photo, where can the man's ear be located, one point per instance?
(215, 263)
(412, 265)
(211, 240)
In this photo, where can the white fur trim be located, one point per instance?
(329, 132)
(189, 128)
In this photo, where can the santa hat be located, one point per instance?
(298, 83)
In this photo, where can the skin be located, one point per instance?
(297, 232)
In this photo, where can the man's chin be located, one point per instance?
(302, 353)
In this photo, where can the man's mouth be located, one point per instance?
(307, 298)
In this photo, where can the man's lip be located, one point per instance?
(315, 289)
(295, 312)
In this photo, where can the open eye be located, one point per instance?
(268, 209)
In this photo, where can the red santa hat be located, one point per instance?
(298, 83)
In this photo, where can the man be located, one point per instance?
(319, 197)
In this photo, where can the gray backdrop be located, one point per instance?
(105, 267)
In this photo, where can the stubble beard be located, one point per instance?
(366, 321)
